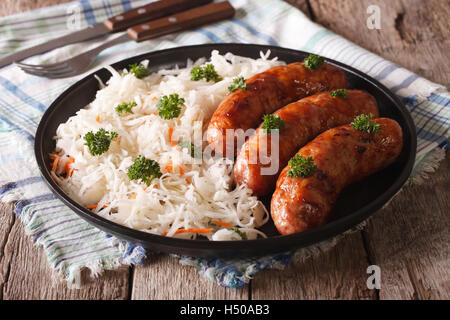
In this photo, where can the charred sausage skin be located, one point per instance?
(304, 120)
(342, 155)
(267, 92)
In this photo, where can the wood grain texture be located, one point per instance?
(8, 7)
(337, 274)
(25, 274)
(164, 278)
(414, 33)
(409, 239)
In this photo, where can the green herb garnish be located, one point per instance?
(139, 70)
(196, 73)
(301, 167)
(272, 122)
(238, 83)
(365, 123)
(144, 169)
(99, 142)
(239, 232)
(313, 62)
(207, 72)
(341, 93)
(168, 106)
(193, 151)
(125, 107)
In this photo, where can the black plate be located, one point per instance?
(355, 204)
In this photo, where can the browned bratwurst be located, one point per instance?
(265, 93)
(303, 121)
(342, 156)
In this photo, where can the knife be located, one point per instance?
(117, 23)
(181, 21)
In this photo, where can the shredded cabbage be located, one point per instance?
(193, 197)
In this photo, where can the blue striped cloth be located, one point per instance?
(72, 244)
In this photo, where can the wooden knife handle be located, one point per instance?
(182, 21)
(150, 11)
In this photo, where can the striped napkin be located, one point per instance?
(69, 242)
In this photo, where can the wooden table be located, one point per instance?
(408, 240)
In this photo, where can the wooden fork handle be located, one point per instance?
(182, 21)
(149, 12)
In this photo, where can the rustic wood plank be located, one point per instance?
(337, 274)
(414, 34)
(8, 7)
(25, 274)
(409, 239)
(302, 5)
(7, 219)
(164, 278)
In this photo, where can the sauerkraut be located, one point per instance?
(191, 193)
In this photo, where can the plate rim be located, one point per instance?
(327, 231)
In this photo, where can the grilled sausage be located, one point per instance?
(304, 120)
(265, 93)
(342, 155)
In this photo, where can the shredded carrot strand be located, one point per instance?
(94, 206)
(67, 167)
(223, 224)
(191, 230)
(98, 118)
(194, 230)
(180, 168)
(55, 163)
(187, 181)
(169, 166)
(172, 143)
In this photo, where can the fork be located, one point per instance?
(70, 67)
(181, 21)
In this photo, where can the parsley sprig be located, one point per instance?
(139, 70)
(168, 106)
(301, 166)
(125, 107)
(207, 72)
(365, 123)
(238, 83)
(144, 169)
(272, 123)
(99, 142)
(339, 93)
(313, 62)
